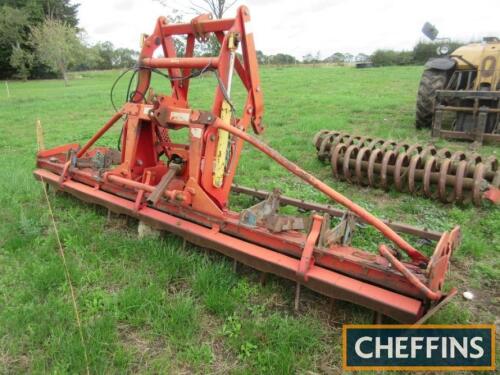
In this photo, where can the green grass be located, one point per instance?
(150, 306)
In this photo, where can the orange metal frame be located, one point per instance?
(194, 208)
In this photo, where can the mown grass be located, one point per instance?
(151, 306)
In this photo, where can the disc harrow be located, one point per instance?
(436, 173)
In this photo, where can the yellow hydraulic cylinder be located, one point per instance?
(225, 115)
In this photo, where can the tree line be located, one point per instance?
(419, 55)
(41, 39)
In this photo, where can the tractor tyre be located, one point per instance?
(431, 81)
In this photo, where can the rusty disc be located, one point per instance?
(415, 148)
(363, 152)
(400, 170)
(458, 156)
(326, 144)
(459, 180)
(415, 163)
(375, 142)
(389, 157)
(318, 137)
(430, 166)
(428, 151)
(477, 182)
(443, 153)
(401, 147)
(374, 158)
(443, 173)
(347, 157)
(339, 149)
(387, 144)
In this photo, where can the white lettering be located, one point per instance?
(478, 348)
(415, 346)
(357, 347)
(379, 347)
(444, 349)
(454, 344)
(400, 346)
(430, 346)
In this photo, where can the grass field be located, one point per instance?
(148, 306)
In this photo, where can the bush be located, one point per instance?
(391, 57)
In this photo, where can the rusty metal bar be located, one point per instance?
(489, 137)
(466, 109)
(386, 253)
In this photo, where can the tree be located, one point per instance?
(362, 57)
(16, 17)
(124, 58)
(39, 10)
(105, 51)
(348, 57)
(216, 7)
(307, 59)
(281, 59)
(261, 58)
(13, 30)
(56, 45)
(336, 58)
(390, 57)
(22, 61)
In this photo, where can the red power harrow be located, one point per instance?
(184, 188)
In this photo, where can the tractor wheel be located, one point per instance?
(431, 81)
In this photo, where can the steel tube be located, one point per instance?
(386, 253)
(100, 133)
(209, 26)
(181, 62)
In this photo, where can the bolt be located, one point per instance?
(212, 137)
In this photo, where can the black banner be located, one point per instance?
(424, 347)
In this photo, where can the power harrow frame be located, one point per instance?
(185, 188)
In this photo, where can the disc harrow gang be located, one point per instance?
(436, 173)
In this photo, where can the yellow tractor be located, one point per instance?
(463, 87)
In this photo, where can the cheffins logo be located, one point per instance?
(419, 347)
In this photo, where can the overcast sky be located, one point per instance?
(308, 26)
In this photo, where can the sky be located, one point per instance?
(309, 26)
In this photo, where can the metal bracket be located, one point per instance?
(266, 213)
(341, 234)
(98, 161)
(307, 259)
(198, 28)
